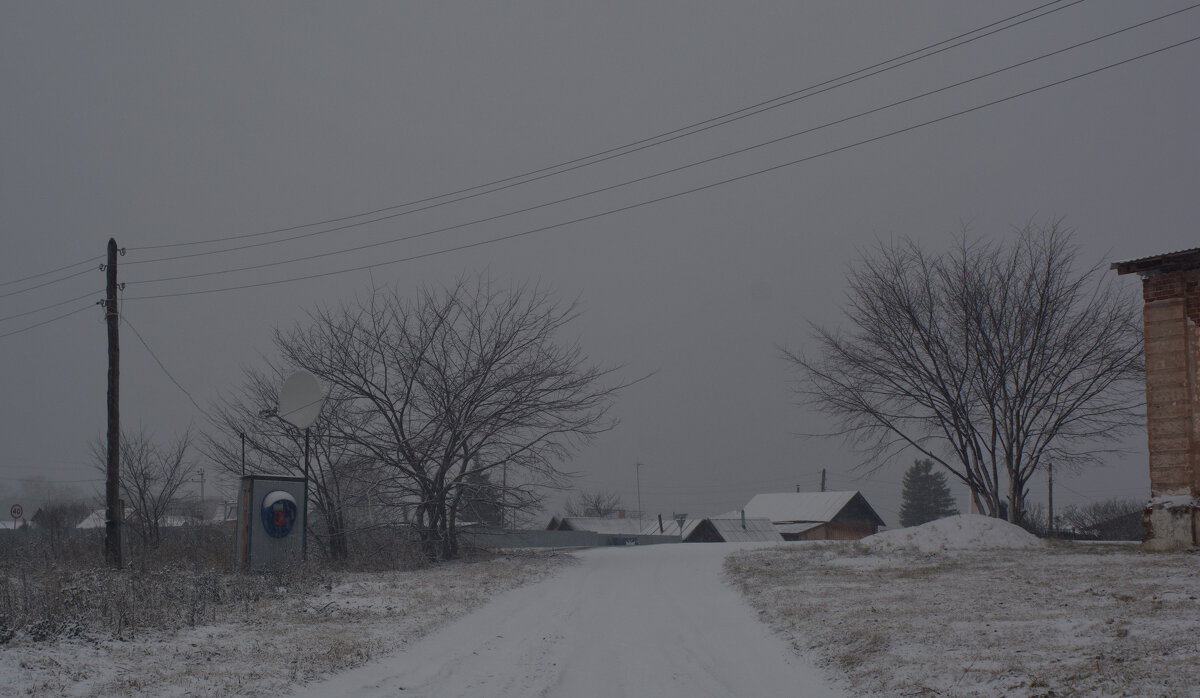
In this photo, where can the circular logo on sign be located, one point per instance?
(16, 511)
(278, 513)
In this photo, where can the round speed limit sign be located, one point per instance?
(16, 511)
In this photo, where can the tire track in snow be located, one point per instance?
(646, 621)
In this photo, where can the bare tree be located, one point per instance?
(599, 504)
(341, 477)
(989, 360)
(151, 475)
(452, 384)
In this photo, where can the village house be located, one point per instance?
(816, 515)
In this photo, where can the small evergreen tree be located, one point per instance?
(925, 496)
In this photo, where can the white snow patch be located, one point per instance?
(1174, 500)
(962, 532)
(267, 648)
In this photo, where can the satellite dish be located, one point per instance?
(300, 399)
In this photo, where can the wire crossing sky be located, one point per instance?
(708, 178)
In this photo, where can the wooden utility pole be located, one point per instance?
(1050, 505)
(112, 487)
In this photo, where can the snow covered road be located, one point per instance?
(639, 621)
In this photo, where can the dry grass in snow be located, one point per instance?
(263, 648)
(1058, 620)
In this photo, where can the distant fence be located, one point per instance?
(558, 539)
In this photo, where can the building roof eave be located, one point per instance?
(1160, 264)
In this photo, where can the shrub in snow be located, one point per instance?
(962, 532)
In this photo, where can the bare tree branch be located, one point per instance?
(991, 360)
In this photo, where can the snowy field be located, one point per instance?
(275, 645)
(966, 606)
(979, 608)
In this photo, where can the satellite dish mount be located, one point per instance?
(300, 402)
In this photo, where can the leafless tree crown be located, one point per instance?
(991, 359)
(443, 393)
(600, 504)
(151, 475)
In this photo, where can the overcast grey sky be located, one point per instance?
(161, 123)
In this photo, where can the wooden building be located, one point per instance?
(817, 515)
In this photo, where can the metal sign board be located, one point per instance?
(16, 512)
(271, 522)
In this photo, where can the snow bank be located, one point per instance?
(962, 532)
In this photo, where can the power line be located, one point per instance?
(125, 318)
(739, 151)
(46, 322)
(89, 260)
(46, 283)
(644, 178)
(667, 197)
(52, 305)
(619, 151)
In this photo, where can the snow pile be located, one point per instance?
(962, 532)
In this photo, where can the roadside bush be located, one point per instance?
(61, 588)
(391, 547)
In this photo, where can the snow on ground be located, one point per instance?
(265, 649)
(962, 532)
(626, 621)
(985, 615)
(988, 613)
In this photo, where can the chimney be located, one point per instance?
(743, 519)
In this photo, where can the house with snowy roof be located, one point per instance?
(669, 527)
(816, 515)
(732, 529)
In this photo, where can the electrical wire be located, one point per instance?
(626, 183)
(349, 250)
(89, 260)
(52, 305)
(675, 195)
(81, 272)
(125, 319)
(46, 322)
(618, 151)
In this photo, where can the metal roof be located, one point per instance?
(670, 527)
(1159, 263)
(794, 507)
(746, 531)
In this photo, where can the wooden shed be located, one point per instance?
(817, 515)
